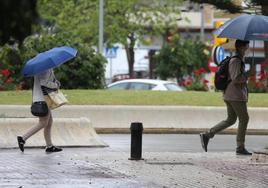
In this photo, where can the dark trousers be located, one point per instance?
(234, 109)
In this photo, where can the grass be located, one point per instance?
(104, 97)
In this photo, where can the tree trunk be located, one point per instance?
(178, 77)
(151, 63)
(130, 54)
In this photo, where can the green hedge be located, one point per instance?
(86, 71)
(10, 67)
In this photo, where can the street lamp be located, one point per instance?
(100, 49)
(202, 23)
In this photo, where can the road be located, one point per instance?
(183, 142)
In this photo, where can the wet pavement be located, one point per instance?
(184, 142)
(170, 166)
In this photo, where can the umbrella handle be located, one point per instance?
(252, 64)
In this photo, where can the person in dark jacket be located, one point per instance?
(235, 97)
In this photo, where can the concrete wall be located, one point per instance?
(65, 132)
(176, 117)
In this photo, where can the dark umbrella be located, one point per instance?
(245, 27)
(48, 59)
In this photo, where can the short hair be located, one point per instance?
(241, 43)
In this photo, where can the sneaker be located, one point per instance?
(204, 141)
(242, 151)
(51, 149)
(21, 143)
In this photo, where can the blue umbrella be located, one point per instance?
(245, 27)
(47, 60)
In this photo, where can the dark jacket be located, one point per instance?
(237, 88)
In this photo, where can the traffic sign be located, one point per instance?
(111, 52)
(218, 54)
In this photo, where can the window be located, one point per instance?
(119, 86)
(141, 86)
(172, 87)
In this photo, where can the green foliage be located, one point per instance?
(71, 23)
(122, 18)
(227, 5)
(128, 21)
(254, 87)
(79, 18)
(257, 85)
(177, 59)
(10, 66)
(260, 6)
(196, 86)
(196, 81)
(85, 71)
(125, 21)
(16, 17)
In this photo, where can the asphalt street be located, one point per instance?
(184, 142)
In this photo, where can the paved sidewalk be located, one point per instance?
(108, 168)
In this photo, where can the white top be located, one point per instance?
(47, 79)
(37, 91)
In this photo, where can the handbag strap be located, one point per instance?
(32, 89)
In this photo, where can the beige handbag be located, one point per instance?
(55, 99)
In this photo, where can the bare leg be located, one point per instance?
(43, 121)
(47, 131)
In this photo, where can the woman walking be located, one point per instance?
(44, 82)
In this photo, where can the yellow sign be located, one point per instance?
(219, 41)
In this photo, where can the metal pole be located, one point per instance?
(100, 49)
(253, 53)
(253, 63)
(202, 23)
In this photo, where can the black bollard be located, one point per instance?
(136, 141)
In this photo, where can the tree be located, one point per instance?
(78, 18)
(125, 22)
(128, 21)
(227, 5)
(16, 18)
(69, 23)
(179, 58)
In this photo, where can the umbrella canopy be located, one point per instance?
(47, 60)
(245, 27)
